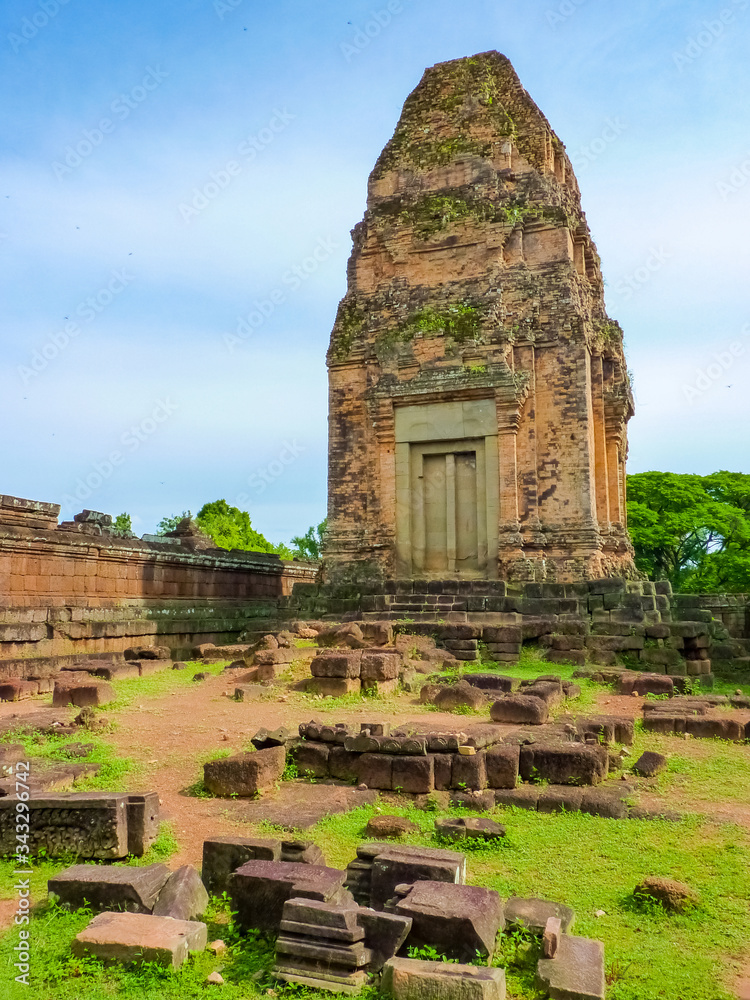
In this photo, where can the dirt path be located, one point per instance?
(171, 736)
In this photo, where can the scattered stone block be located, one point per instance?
(460, 920)
(249, 692)
(94, 693)
(137, 937)
(341, 664)
(93, 825)
(245, 774)
(672, 895)
(520, 709)
(343, 765)
(474, 799)
(334, 687)
(576, 972)
(259, 889)
(645, 684)
(608, 803)
(415, 775)
(523, 797)
(461, 695)
(722, 729)
(551, 937)
(376, 770)
(385, 933)
(559, 798)
(574, 763)
(533, 914)
(379, 665)
(412, 979)
(149, 666)
(649, 764)
(18, 690)
(312, 759)
(183, 896)
(468, 771)
(117, 671)
(390, 826)
(380, 689)
(303, 852)
(103, 888)
(148, 653)
(224, 855)
(143, 821)
(494, 682)
(469, 828)
(502, 766)
(396, 865)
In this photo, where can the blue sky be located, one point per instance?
(171, 169)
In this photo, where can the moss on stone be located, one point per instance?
(349, 324)
(433, 214)
(458, 322)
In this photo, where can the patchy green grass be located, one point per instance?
(586, 862)
(132, 690)
(593, 864)
(530, 666)
(116, 774)
(703, 771)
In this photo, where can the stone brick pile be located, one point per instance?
(85, 681)
(698, 717)
(481, 757)
(333, 928)
(98, 825)
(147, 914)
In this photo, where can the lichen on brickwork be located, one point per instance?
(433, 214)
(350, 320)
(459, 323)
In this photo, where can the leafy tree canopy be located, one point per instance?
(123, 524)
(692, 530)
(310, 545)
(231, 528)
(168, 524)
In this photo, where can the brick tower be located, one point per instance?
(478, 392)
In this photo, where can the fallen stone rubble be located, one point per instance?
(334, 928)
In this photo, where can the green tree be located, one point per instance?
(231, 528)
(692, 530)
(123, 524)
(168, 524)
(310, 545)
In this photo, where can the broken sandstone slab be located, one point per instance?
(102, 888)
(259, 889)
(245, 774)
(461, 921)
(183, 896)
(412, 979)
(576, 972)
(533, 914)
(140, 937)
(94, 693)
(519, 708)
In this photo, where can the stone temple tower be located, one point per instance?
(479, 394)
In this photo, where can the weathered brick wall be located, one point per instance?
(68, 591)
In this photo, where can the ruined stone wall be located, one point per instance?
(473, 278)
(78, 589)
